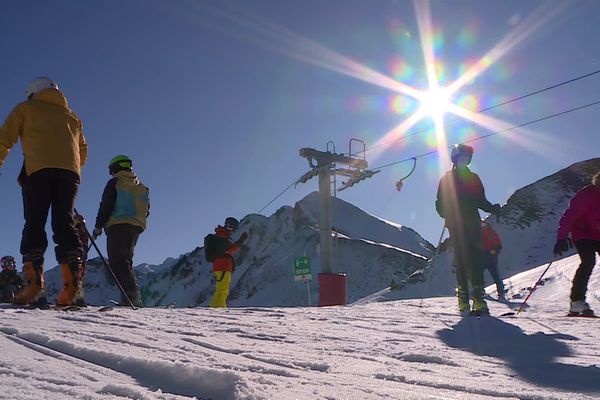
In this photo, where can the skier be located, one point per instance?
(54, 151)
(223, 265)
(582, 220)
(85, 242)
(123, 213)
(10, 281)
(460, 195)
(491, 248)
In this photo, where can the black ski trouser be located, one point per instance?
(466, 241)
(120, 242)
(46, 189)
(490, 262)
(587, 250)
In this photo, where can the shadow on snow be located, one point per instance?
(532, 357)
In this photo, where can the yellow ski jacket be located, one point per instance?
(51, 133)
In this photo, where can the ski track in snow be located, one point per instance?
(408, 349)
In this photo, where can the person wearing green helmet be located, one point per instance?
(123, 212)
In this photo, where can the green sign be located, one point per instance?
(302, 270)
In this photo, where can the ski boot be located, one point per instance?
(580, 308)
(33, 292)
(72, 283)
(79, 301)
(479, 307)
(463, 300)
(501, 292)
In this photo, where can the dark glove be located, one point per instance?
(496, 209)
(242, 238)
(562, 246)
(97, 232)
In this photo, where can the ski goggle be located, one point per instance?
(10, 265)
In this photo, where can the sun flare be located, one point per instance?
(436, 102)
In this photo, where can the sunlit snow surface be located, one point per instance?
(407, 349)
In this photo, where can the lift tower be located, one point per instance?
(332, 284)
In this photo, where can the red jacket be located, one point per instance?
(582, 217)
(225, 263)
(491, 240)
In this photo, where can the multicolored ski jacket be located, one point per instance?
(225, 262)
(125, 201)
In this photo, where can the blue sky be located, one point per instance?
(212, 100)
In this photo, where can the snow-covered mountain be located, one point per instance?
(527, 228)
(374, 253)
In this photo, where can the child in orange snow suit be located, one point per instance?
(220, 250)
(10, 281)
(54, 150)
(491, 249)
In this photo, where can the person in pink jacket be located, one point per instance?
(582, 220)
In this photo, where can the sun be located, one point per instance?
(436, 102)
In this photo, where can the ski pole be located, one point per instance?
(430, 261)
(106, 264)
(534, 286)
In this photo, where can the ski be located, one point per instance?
(479, 313)
(71, 307)
(40, 307)
(120, 305)
(502, 300)
(580, 315)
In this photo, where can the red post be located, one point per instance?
(332, 289)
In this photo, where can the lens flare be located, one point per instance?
(401, 104)
(436, 102)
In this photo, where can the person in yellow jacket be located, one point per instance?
(123, 211)
(54, 151)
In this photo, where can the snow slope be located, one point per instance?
(407, 349)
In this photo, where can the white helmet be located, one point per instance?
(39, 84)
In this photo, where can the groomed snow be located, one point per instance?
(406, 349)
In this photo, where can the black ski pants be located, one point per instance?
(466, 241)
(120, 241)
(489, 261)
(587, 250)
(45, 189)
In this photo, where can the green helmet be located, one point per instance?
(120, 163)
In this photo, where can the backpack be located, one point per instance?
(215, 247)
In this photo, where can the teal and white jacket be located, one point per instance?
(125, 200)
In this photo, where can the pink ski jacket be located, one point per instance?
(582, 217)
